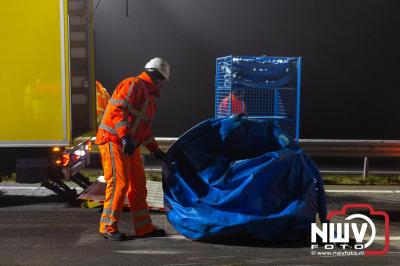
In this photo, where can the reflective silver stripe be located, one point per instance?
(136, 113)
(143, 223)
(131, 110)
(118, 102)
(121, 124)
(140, 116)
(111, 212)
(124, 103)
(105, 220)
(140, 213)
(107, 211)
(114, 174)
(107, 128)
(148, 141)
(130, 90)
(108, 221)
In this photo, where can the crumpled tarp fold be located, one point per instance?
(241, 176)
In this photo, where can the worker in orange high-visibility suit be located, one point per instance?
(102, 98)
(125, 126)
(237, 104)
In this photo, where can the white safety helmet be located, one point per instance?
(161, 65)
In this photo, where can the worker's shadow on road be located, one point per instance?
(247, 241)
(21, 200)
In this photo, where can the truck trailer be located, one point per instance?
(47, 88)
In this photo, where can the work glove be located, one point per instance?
(168, 165)
(160, 155)
(128, 145)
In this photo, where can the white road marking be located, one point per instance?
(149, 252)
(181, 264)
(210, 258)
(361, 191)
(220, 257)
(33, 188)
(87, 238)
(176, 237)
(259, 261)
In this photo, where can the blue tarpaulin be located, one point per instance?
(236, 175)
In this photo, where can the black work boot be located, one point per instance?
(115, 236)
(154, 233)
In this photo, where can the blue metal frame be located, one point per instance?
(265, 87)
(298, 98)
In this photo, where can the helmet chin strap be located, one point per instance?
(154, 74)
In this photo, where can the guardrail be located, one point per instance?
(351, 148)
(340, 148)
(364, 149)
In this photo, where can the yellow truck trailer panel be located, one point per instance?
(34, 73)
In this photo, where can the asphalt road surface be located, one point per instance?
(37, 228)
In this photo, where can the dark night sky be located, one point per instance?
(350, 50)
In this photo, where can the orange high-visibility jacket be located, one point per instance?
(237, 106)
(102, 101)
(130, 111)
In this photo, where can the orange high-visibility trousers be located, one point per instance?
(124, 175)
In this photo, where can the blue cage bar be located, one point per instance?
(263, 87)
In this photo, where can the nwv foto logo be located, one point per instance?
(332, 233)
